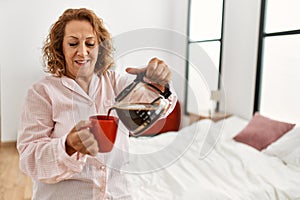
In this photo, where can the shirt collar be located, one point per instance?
(73, 85)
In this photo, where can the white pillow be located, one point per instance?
(287, 148)
(231, 126)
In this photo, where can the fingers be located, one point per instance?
(157, 71)
(132, 70)
(80, 139)
(89, 143)
(82, 125)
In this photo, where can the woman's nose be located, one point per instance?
(82, 50)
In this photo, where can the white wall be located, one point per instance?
(240, 55)
(25, 24)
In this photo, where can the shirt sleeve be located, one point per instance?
(42, 157)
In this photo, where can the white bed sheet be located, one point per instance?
(287, 148)
(201, 161)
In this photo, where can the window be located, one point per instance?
(277, 92)
(203, 53)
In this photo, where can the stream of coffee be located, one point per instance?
(108, 113)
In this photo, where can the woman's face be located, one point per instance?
(80, 48)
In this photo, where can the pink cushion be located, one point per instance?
(262, 131)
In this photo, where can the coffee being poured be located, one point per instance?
(140, 104)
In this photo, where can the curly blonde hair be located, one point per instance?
(53, 56)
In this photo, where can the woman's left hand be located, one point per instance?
(157, 71)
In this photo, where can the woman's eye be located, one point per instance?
(90, 44)
(72, 44)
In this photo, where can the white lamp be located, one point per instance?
(215, 97)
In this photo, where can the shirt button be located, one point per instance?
(102, 167)
(91, 103)
(102, 189)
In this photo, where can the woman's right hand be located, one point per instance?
(80, 139)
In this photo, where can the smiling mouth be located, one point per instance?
(81, 62)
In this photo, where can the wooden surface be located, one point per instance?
(14, 185)
(214, 117)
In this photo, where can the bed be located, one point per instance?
(204, 161)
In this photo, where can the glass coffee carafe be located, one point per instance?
(140, 104)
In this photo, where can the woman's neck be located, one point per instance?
(83, 82)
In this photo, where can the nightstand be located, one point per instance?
(206, 115)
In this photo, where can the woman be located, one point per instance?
(56, 149)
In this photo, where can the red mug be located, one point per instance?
(104, 130)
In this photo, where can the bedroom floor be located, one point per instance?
(13, 183)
